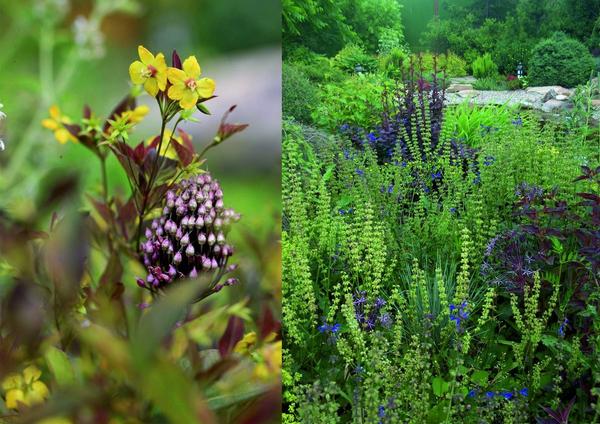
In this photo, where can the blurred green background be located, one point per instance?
(73, 53)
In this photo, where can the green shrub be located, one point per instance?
(471, 123)
(495, 83)
(484, 67)
(389, 40)
(352, 56)
(316, 67)
(560, 60)
(299, 94)
(453, 65)
(394, 62)
(356, 101)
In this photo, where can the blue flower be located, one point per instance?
(360, 172)
(489, 160)
(346, 154)
(507, 395)
(452, 210)
(379, 302)
(436, 176)
(472, 393)
(381, 411)
(371, 137)
(561, 329)
(524, 392)
(489, 395)
(323, 328)
(385, 320)
(517, 122)
(335, 328)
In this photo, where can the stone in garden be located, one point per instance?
(455, 88)
(550, 94)
(554, 105)
(561, 97)
(595, 102)
(463, 80)
(468, 93)
(544, 89)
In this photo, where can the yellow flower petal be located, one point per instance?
(138, 114)
(136, 72)
(38, 393)
(12, 381)
(205, 87)
(191, 67)
(189, 99)
(54, 112)
(176, 75)
(176, 91)
(145, 55)
(161, 79)
(159, 63)
(62, 135)
(51, 124)
(31, 374)
(151, 86)
(14, 397)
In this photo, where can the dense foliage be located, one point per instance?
(115, 303)
(560, 60)
(299, 95)
(440, 264)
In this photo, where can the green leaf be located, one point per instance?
(60, 366)
(439, 386)
(203, 109)
(160, 320)
(222, 401)
(480, 377)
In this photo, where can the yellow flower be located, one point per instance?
(124, 122)
(24, 388)
(150, 71)
(56, 123)
(186, 85)
(244, 345)
(270, 366)
(167, 149)
(136, 115)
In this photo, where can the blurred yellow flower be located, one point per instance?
(24, 388)
(56, 123)
(150, 71)
(247, 343)
(136, 115)
(56, 420)
(167, 149)
(270, 366)
(186, 85)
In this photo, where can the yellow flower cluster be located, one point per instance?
(186, 86)
(56, 123)
(24, 388)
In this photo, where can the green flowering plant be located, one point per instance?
(80, 337)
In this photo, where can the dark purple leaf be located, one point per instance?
(233, 334)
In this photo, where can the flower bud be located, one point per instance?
(201, 239)
(190, 251)
(177, 258)
(185, 240)
(211, 239)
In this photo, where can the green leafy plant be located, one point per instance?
(353, 59)
(299, 94)
(560, 60)
(484, 67)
